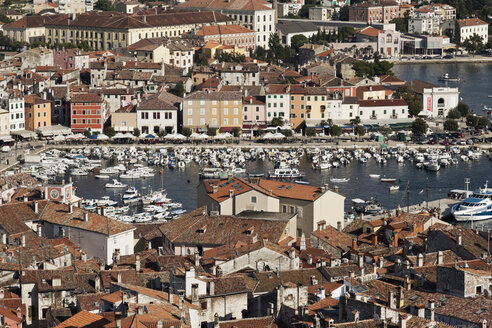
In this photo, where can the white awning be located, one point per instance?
(25, 134)
(54, 130)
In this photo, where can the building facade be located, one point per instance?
(15, 106)
(471, 26)
(374, 11)
(382, 109)
(38, 112)
(87, 112)
(217, 110)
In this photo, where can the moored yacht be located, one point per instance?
(476, 207)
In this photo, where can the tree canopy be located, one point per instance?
(277, 121)
(419, 127)
(451, 125)
(473, 43)
(463, 108)
(104, 5)
(371, 69)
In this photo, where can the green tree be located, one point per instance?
(87, 133)
(311, 132)
(385, 130)
(419, 127)
(454, 114)
(211, 132)
(235, 132)
(368, 69)
(277, 121)
(463, 108)
(457, 33)
(104, 5)
(401, 23)
(109, 131)
(451, 125)
(7, 3)
(179, 89)
(473, 43)
(343, 14)
(161, 133)
(298, 41)
(414, 103)
(136, 132)
(360, 130)
(335, 130)
(471, 121)
(186, 132)
(231, 57)
(346, 33)
(355, 121)
(287, 132)
(202, 61)
(4, 18)
(483, 122)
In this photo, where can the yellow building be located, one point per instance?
(38, 112)
(109, 30)
(220, 110)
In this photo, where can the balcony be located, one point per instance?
(394, 116)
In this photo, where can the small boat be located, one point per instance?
(301, 182)
(394, 188)
(490, 96)
(256, 175)
(339, 180)
(375, 176)
(102, 176)
(285, 174)
(390, 180)
(131, 195)
(446, 77)
(115, 184)
(79, 172)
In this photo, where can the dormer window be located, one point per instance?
(202, 230)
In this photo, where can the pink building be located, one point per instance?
(254, 114)
(381, 11)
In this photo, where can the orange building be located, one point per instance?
(38, 112)
(297, 105)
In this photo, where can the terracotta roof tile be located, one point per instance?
(84, 319)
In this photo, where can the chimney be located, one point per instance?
(339, 226)
(356, 316)
(302, 245)
(170, 295)
(395, 240)
(194, 293)
(484, 323)
(431, 310)
(215, 189)
(374, 239)
(137, 263)
(119, 277)
(420, 260)
(39, 230)
(354, 244)
(36, 207)
(402, 322)
(23, 241)
(196, 257)
(292, 253)
(381, 262)
(440, 258)
(216, 320)
(391, 300)
(459, 239)
(309, 259)
(26, 199)
(211, 288)
(83, 257)
(361, 261)
(231, 193)
(140, 310)
(400, 299)
(70, 208)
(159, 324)
(408, 283)
(118, 323)
(144, 19)
(86, 216)
(181, 299)
(4, 238)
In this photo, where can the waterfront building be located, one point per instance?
(425, 21)
(124, 119)
(471, 26)
(37, 112)
(159, 113)
(254, 114)
(311, 204)
(278, 102)
(88, 112)
(372, 92)
(384, 109)
(297, 105)
(321, 105)
(437, 101)
(220, 110)
(256, 15)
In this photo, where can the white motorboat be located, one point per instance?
(131, 196)
(285, 174)
(433, 166)
(391, 180)
(102, 176)
(476, 207)
(339, 180)
(109, 171)
(375, 176)
(106, 201)
(394, 188)
(115, 184)
(78, 172)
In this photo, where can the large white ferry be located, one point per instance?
(478, 206)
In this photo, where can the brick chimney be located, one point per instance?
(440, 258)
(420, 260)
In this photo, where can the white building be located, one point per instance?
(257, 15)
(436, 100)
(384, 109)
(284, 9)
(389, 43)
(424, 21)
(320, 13)
(181, 55)
(159, 113)
(15, 106)
(239, 74)
(278, 102)
(345, 112)
(471, 26)
(97, 235)
(71, 6)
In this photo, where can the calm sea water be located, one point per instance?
(475, 84)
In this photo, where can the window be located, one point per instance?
(214, 111)
(226, 111)
(284, 208)
(236, 111)
(253, 199)
(478, 289)
(202, 111)
(190, 121)
(226, 121)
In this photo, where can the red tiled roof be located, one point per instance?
(382, 103)
(86, 98)
(84, 319)
(223, 29)
(471, 22)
